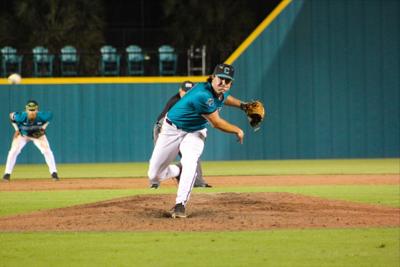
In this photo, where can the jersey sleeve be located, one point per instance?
(205, 104)
(226, 94)
(45, 116)
(19, 117)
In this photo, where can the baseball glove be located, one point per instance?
(37, 134)
(255, 113)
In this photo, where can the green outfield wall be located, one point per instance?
(328, 72)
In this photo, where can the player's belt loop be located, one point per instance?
(170, 123)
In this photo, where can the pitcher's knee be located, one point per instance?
(46, 152)
(14, 152)
(189, 160)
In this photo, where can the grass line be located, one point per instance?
(311, 247)
(223, 168)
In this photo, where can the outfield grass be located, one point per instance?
(214, 168)
(21, 202)
(291, 247)
(317, 247)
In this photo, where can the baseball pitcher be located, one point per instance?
(184, 130)
(184, 88)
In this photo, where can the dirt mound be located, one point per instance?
(207, 212)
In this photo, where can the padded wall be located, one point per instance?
(328, 72)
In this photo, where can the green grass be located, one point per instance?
(289, 167)
(318, 247)
(81, 170)
(212, 168)
(388, 195)
(377, 194)
(20, 202)
(291, 247)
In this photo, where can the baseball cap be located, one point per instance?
(32, 105)
(224, 71)
(187, 85)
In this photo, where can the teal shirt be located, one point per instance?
(187, 113)
(26, 127)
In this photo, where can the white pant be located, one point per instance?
(170, 141)
(199, 177)
(18, 144)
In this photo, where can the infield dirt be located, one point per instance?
(206, 211)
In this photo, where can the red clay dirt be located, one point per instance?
(206, 211)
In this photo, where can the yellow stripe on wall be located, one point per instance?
(157, 79)
(266, 22)
(104, 80)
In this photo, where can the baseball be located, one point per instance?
(14, 78)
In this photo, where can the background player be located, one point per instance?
(185, 86)
(30, 126)
(184, 130)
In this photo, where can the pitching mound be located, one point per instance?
(207, 212)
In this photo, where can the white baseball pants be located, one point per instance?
(170, 141)
(18, 144)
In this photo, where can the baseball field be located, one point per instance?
(258, 213)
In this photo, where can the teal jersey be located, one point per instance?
(187, 113)
(27, 127)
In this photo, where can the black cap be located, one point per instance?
(224, 71)
(32, 105)
(187, 85)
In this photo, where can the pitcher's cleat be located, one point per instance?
(203, 185)
(178, 211)
(154, 186)
(6, 177)
(55, 177)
